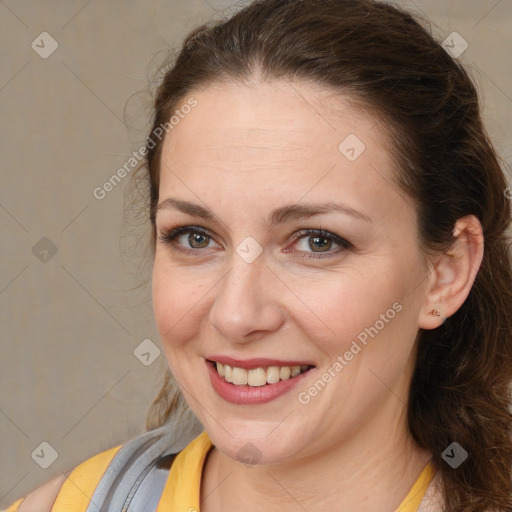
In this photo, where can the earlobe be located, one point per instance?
(453, 274)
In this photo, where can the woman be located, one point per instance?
(331, 281)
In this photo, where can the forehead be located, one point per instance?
(280, 114)
(274, 138)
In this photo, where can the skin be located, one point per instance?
(243, 151)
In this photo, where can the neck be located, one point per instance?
(372, 469)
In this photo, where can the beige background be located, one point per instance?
(70, 325)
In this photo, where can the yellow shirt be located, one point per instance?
(181, 491)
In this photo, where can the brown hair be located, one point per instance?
(382, 57)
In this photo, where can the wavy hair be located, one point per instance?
(389, 63)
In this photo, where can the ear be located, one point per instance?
(453, 273)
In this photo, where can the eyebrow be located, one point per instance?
(277, 216)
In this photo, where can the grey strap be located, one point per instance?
(135, 478)
(148, 494)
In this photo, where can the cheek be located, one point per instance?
(336, 307)
(171, 300)
(368, 317)
(179, 302)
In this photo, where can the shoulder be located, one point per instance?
(134, 472)
(42, 498)
(433, 498)
(47, 496)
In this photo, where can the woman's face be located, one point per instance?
(346, 301)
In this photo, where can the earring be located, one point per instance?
(435, 312)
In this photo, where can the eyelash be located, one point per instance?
(168, 237)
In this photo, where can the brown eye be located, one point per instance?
(319, 242)
(194, 238)
(198, 238)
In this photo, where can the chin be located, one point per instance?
(253, 444)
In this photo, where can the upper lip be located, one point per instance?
(256, 362)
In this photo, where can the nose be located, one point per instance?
(245, 306)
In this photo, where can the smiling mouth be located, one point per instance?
(257, 377)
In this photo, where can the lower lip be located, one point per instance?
(251, 395)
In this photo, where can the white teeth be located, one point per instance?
(272, 374)
(258, 376)
(239, 376)
(284, 373)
